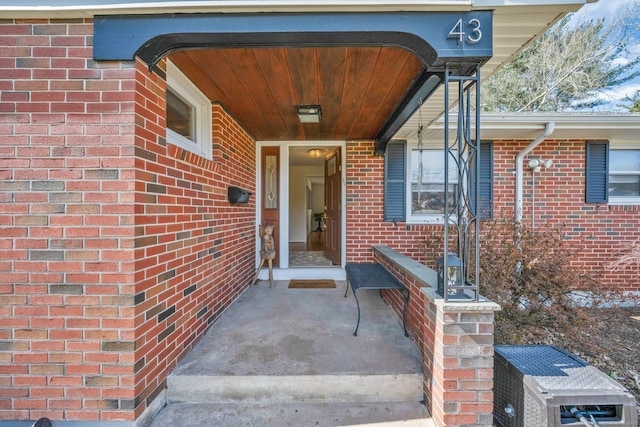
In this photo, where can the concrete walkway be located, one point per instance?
(288, 357)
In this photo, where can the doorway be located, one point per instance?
(308, 207)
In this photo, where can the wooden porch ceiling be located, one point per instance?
(358, 88)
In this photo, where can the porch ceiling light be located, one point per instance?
(315, 153)
(309, 113)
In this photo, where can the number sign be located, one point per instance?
(472, 35)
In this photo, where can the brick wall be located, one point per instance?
(195, 252)
(117, 249)
(365, 212)
(599, 232)
(66, 262)
(460, 390)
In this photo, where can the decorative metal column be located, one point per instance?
(462, 226)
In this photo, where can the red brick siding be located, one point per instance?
(117, 249)
(365, 225)
(415, 316)
(600, 233)
(459, 391)
(66, 261)
(365, 212)
(196, 251)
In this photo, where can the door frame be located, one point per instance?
(284, 272)
(331, 251)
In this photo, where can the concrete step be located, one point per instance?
(294, 415)
(279, 357)
(295, 388)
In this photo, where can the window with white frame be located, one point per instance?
(414, 182)
(188, 114)
(624, 175)
(426, 185)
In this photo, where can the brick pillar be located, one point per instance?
(456, 341)
(459, 391)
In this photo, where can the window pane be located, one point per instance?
(427, 182)
(624, 173)
(624, 185)
(271, 182)
(431, 199)
(624, 161)
(432, 166)
(180, 116)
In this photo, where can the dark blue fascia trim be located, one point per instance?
(122, 37)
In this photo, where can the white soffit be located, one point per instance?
(514, 26)
(528, 126)
(88, 8)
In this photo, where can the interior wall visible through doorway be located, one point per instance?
(306, 180)
(298, 212)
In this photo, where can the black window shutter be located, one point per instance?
(394, 182)
(597, 172)
(485, 203)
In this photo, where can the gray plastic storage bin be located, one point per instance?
(543, 386)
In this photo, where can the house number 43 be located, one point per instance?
(474, 35)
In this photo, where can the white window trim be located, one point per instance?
(418, 218)
(619, 145)
(180, 84)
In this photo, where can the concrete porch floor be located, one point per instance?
(283, 356)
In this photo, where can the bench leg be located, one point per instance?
(355, 295)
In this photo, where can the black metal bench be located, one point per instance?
(373, 276)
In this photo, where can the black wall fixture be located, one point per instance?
(238, 195)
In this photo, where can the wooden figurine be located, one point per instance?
(267, 251)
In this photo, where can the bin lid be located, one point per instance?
(554, 369)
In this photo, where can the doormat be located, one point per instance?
(310, 284)
(308, 259)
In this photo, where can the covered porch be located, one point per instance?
(284, 356)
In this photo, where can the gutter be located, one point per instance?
(89, 8)
(548, 130)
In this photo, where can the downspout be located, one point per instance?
(548, 130)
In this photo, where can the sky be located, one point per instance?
(610, 9)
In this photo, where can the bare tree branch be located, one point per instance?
(566, 67)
